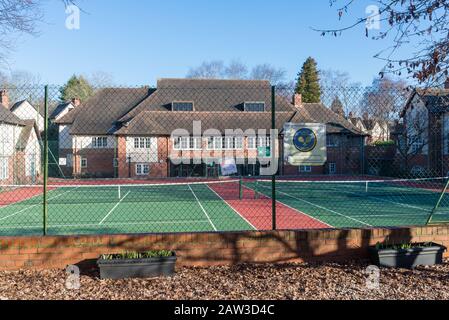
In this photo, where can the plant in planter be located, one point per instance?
(137, 264)
(407, 255)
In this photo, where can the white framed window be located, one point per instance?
(305, 169)
(177, 143)
(182, 106)
(238, 143)
(254, 106)
(196, 143)
(210, 143)
(99, 142)
(142, 143)
(264, 141)
(332, 168)
(252, 142)
(229, 143)
(4, 168)
(187, 143)
(83, 161)
(218, 143)
(142, 169)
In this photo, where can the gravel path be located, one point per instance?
(288, 281)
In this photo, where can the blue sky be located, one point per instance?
(139, 41)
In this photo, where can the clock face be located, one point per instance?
(305, 140)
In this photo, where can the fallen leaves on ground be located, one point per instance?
(266, 281)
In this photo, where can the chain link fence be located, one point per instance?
(216, 156)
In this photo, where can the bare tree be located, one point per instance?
(268, 72)
(100, 79)
(19, 17)
(418, 30)
(338, 84)
(217, 69)
(236, 70)
(384, 99)
(334, 78)
(208, 70)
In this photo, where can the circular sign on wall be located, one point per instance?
(305, 140)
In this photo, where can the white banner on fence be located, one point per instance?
(305, 144)
(228, 167)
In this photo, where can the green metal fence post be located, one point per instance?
(273, 154)
(45, 199)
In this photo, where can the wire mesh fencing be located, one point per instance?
(220, 156)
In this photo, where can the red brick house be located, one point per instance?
(423, 136)
(129, 132)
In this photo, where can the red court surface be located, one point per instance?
(258, 212)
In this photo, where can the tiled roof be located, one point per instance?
(100, 112)
(7, 116)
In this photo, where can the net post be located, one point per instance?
(256, 189)
(240, 188)
(272, 151)
(446, 187)
(45, 169)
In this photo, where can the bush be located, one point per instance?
(138, 255)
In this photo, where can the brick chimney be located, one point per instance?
(297, 100)
(4, 99)
(446, 84)
(76, 102)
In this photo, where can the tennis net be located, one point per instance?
(355, 188)
(109, 193)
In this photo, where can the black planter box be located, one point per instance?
(136, 268)
(408, 258)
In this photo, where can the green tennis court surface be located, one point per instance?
(376, 203)
(220, 206)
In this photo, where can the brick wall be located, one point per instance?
(212, 248)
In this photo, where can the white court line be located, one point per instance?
(321, 207)
(202, 208)
(145, 223)
(19, 202)
(390, 201)
(246, 220)
(294, 209)
(34, 205)
(116, 205)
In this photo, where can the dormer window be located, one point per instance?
(254, 106)
(182, 106)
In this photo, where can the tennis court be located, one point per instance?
(227, 205)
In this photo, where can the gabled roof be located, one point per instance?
(39, 109)
(218, 104)
(209, 95)
(6, 116)
(335, 122)
(60, 108)
(100, 112)
(165, 122)
(436, 100)
(25, 134)
(356, 120)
